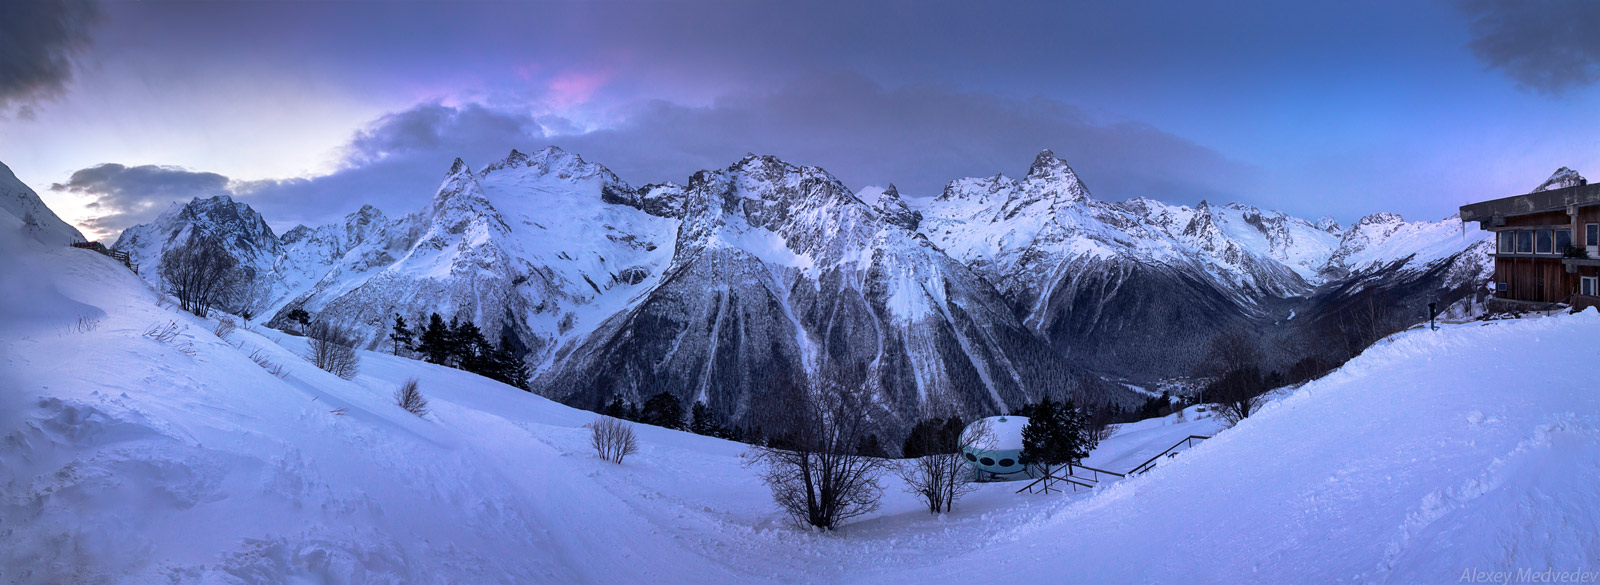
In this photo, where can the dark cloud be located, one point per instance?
(39, 44)
(916, 137)
(1549, 46)
(126, 196)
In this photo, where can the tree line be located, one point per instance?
(461, 345)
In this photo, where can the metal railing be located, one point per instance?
(1151, 463)
(1052, 477)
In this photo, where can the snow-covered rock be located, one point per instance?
(38, 221)
(1561, 179)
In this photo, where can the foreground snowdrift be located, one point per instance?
(123, 459)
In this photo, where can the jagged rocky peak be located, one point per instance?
(295, 234)
(460, 201)
(552, 160)
(980, 190)
(1051, 179)
(1561, 179)
(658, 199)
(895, 210)
(1381, 218)
(218, 217)
(1328, 224)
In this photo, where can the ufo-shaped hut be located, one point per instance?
(993, 445)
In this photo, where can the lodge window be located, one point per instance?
(1588, 284)
(1563, 241)
(1524, 242)
(1508, 242)
(1592, 238)
(1543, 242)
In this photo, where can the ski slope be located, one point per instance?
(123, 459)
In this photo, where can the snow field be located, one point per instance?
(123, 459)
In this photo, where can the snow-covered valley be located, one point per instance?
(127, 459)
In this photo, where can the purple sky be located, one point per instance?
(308, 110)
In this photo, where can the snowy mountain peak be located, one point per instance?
(1561, 179)
(1328, 224)
(895, 210)
(1381, 218)
(1051, 179)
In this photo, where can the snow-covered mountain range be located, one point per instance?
(754, 277)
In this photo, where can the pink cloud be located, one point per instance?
(574, 88)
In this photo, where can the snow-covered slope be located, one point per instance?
(38, 221)
(130, 460)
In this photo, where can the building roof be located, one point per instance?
(1553, 200)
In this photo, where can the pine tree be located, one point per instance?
(401, 334)
(300, 316)
(663, 410)
(700, 422)
(1056, 434)
(508, 367)
(617, 408)
(435, 344)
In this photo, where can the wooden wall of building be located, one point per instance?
(1586, 215)
(1534, 279)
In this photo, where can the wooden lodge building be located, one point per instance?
(1547, 246)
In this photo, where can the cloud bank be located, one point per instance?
(916, 137)
(1548, 46)
(39, 45)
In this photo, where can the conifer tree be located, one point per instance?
(1056, 434)
(435, 344)
(700, 422)
(508, 367)
(617, 408)
(400, 334)
(662, 410)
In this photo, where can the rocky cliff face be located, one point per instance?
(781, 273)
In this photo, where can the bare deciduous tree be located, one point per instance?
(814, 466)
(201, 274)
(1239, 386)
(411, 399)
(333, 350)
(612, 439)
(942, 475)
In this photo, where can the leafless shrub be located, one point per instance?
(85, 323)
(225, 325)
(942, 475)
(333, 350)
(266, 363)
(411, 399)
(612, 439)
(814, 465)
(163, 333)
